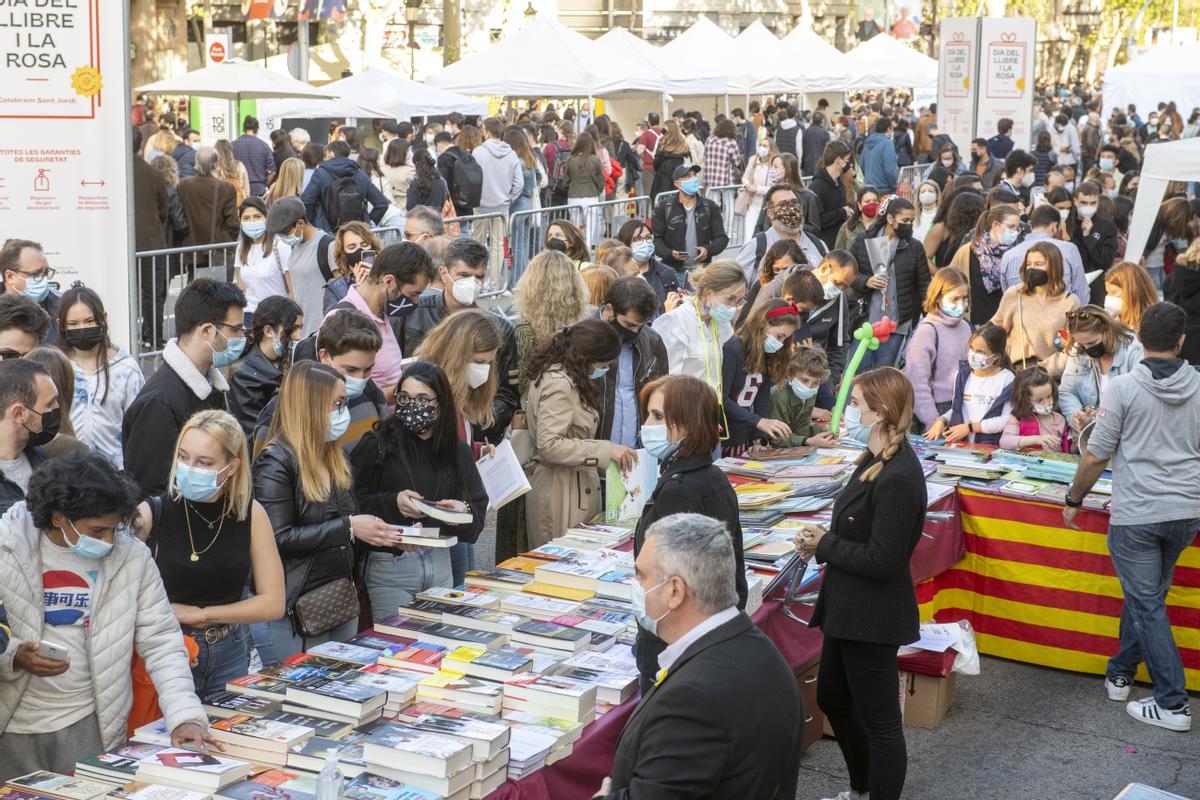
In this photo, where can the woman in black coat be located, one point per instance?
(274, 329)
(827, 186)
(681, 431)
(867, 607)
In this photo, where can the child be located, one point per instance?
(1034, 424)
(937, 345)
(752, 361)
(793, 403)
(982, 391)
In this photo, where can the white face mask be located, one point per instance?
(1043, 410)
(1086, 212)
(1063, 213)
(927, 198)
(1113, 305)
(465, 290)
(478, 374)
(978, 360)
(1027, 179)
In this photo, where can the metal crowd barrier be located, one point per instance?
(909, 180)
(527, 233)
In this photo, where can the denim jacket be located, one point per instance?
(1078, 387)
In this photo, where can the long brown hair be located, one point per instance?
(889, 393)
(575, 349)
(1054, 268)
(672, 140)
(300, 423)
(360, 229)
(778, 250)
(451, 345)
(691, 404)
(1137, 291)
(754, 331)
(1026, 381)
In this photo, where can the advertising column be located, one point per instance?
(957, 79)
(1007, 71)
(65, 168)
(215, 117)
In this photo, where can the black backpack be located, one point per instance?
(345, 202)
(467, 181)
(557, 185)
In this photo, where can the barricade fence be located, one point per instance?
(909, 180)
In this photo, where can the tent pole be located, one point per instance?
(727, 104)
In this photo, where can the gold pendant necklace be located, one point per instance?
(191, 542)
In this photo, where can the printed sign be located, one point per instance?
(957, 81)
(215, 119)
(1007, 67)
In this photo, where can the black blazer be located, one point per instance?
(867, 592)
(688, 486)
(725, 723)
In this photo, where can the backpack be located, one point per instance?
(557, 185)
(323, 257)
(345, 202)
(466, 181)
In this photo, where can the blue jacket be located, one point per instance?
(879, 163)
(316, 195)
(1078, 385)
(956, 405)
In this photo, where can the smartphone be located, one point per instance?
(52, 651)
(367, 258)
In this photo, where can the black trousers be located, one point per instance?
(859, 690)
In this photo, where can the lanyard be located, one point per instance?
(714, 364)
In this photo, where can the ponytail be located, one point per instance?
(888, 392)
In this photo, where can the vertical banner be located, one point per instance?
(958, 66)
(216, 121)
(1007, 53)
(65, 148)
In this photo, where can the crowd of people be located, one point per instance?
(310, 406)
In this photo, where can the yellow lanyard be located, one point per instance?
(713, 364)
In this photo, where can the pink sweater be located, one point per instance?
(1010, 438)
(935, 349)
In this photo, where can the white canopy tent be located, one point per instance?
(1161, 164)
(705, 43)
(683, 79)
(378, 93)
(767, 57)
(813, 65)
(883, 61)
(236, 80)
(545, 59)
(1161, 75)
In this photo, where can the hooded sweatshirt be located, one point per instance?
(936, 347)
(879, 163)
(1155, 470)
(503, 181)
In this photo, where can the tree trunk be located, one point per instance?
(451, 31)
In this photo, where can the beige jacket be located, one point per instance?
(568, 462)
(1032, 321)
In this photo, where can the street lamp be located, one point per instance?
(411, 9)
(1086, 19)
(530, 13)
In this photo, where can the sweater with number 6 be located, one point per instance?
(747, 395)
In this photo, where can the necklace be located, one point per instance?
(207, 521)
(191, 542)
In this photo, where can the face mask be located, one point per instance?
(789, 219)
(50, 421)
(800, 390)
(478, 374)
(1112, 305)
(196, 484)
(352, 259)
(1042, 411)
(1063, 213)
(557, 244)
(278, 348)
(416, 419)
(466, 289)
(627, 336)
(763, 152)
(637, 600)
(927, 198)
(195, 145)
(904, 231)
(1180, 244)
(654, 440)
(1027, 179)
(721, 312)
(1035, 277)
(598, 373)
(339, 421)
(854, 425)
(954, 310)
(1060, 128)
(355, 387)
(947, 162)
(870, 210)
(772, 345)
(690, 187)
(1069, 186)
(643, 251)
(37, 288)
(1098, 350)
(86, 546)
(290, 239)
(233, 349)
(429, 138)
(1106, 164)
(1152, 127)
(831, 290)
(978, 360)
(83, 338)
(1111, 194)
(1086, 212)
(254, 229)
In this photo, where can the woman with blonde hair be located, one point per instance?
(303, 480)
(867, 606)
(288, 183)
(758, 177)
(599, 280)
(230, 170)
(1129, 292)
(160, 144)
(1099, 348)
(929, 195)
(694, 332)
(210, 539)
(551, 295)
(938, 343)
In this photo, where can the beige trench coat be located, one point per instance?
(567, 461)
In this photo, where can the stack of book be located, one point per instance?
(187, 769)
(428, 761)
(334, 699)
(551, 696)
(257, 739)
(52, 786)
(275, 784)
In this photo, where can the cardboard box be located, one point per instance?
(926, 699)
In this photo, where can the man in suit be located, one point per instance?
(724, 718)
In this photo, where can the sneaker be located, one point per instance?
(1118, 688)
(1149, 712)
(849, 794)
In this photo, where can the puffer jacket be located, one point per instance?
(908, 266)
(255, 380)
(130, 611)
(313, 537)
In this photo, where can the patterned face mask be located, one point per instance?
(416, 418)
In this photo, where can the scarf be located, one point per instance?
(989, 262)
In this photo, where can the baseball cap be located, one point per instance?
(683, 170)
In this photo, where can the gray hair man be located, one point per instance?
(423, 223)
(206, 161)
(724, 698)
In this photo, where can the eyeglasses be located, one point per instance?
(420, 400)
(238, 330)
(649, 237)
(47, 273)
(340, 404)
(9, 354)
(1082, 314)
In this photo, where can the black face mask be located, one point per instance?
(83, 338)
(50, 421)
(557, 244)
(627, 336)
(1036, 277)
(1098, 350)
(904, 231)
(352, 259)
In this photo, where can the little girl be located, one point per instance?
(1034, 424)
(982, 391)
(936, 345)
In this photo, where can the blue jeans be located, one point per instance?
(1144, 557)
(221, 662)
(276, 640)
(393, 578)
(889, 353)
(462, 558)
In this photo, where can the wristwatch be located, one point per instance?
(1071, 503)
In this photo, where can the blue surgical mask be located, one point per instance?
(37, 288)
(233, 349)
(831, 290)
(1180, 244)
(654, 440)
(691, 186)
(1009, 237)
(278, 347)
(643, 251)
(1106, 164)
(290, 239)
(355, 387)
(800, 390)
(86, 546)
(339, 421)
(722, 313)
(854, 424)
(196, 483)
(598, 373)
(953, 310)
(254, 229)
(772, 345)
(637, 600)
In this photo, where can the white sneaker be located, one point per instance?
(1148, 711)
(849, 794)
(1118, 688)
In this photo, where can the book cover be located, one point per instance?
(11, 793)
(267, 730)
(141, 790)
(625, 494)
(258, 685)
(444, 680)
(404, 738)
(421, 656)
(565, 593)
(61, 786)
(504, 658)
(349, 749)
(346, 652)
(550, 630)
(377, 641)
(457, 633)
(521, 564)
(377, 787)
(427, 609)
(222, 702)
(337, 690)
(193, 761)
(499, 578)
(320, 726)
(460, 597)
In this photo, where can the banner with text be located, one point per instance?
(957, 79)
(64, 141)
(1006, 67)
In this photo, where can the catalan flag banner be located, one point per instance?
(1038, 592)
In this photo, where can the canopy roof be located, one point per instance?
(235, 80)
(1162, 74)
(681, 78)
(813, 64)
(705, 43)
(1161, 164)
(379, 92)
(767, 57)
(883, 61)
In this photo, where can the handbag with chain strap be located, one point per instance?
(326, 607)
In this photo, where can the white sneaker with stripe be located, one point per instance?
(1149, 712)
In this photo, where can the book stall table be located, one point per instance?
(1039, 592)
